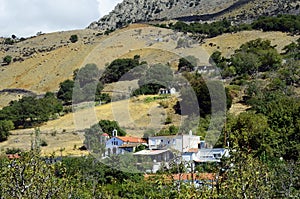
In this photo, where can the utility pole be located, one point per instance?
(225, 133)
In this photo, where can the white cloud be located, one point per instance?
(105, 6)
(27, 17)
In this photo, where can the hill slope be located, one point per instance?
(154, 45)
(132, 11)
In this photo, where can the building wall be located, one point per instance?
(112, 146)
(215, 155)
(180, 143)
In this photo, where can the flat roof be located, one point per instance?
(151, 152)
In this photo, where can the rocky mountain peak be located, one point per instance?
(132, 11)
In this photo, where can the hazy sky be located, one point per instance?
(27, 17)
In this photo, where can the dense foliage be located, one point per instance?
(284, 23)
(271, 129)
(108, 126)
(252, 57)
(241, 176)
(119, 67)
(187, 63)
(199, 94)
(5, 127)
(30, 111)
(84, 87)
(65, 91)
(156, 77)
(209, 29)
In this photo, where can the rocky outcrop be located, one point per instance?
(132, 11)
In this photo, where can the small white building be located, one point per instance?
(189, 158)
(154, 158)
(171, 91)
(180, 143)
(211, 155)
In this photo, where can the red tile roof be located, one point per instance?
(198, 176)
(132, 139)
(193, 150)
(13, 156)
(185, 176)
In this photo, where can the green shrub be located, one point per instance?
(74, 38)
(7, 59)
(13, 150)
(43, 143)
(9, 41)
(5, 127)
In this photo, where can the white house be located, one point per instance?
(154, 158)
(211, 155)
(171, 91)
(122, 144)
(180, 143)
(190, 155)
(189, 158)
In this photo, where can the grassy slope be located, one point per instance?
(43, 72)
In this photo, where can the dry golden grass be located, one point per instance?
(44, 71)
(227, 43)
(238, 108)
(134, 115)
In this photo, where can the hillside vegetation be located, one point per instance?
(144, 41)
(238, 90)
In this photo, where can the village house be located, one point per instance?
(163, 151)
(211, 155)
(163, 91)
(122, 144)
(181, 143)
(206, 69)
(194, 157)
(154, 158)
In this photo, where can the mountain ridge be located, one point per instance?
(133, 11)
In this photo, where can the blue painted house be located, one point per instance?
(122, 144)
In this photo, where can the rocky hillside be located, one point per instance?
(130, 11)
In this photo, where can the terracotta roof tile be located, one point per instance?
(132, 139)
(193, 150)
(13, 156)
(185, 176)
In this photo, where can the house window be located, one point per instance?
(161, 140)
(217, 155)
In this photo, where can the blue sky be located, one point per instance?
(25, 18)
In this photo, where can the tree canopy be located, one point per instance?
(156, 77)
(119, 67)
